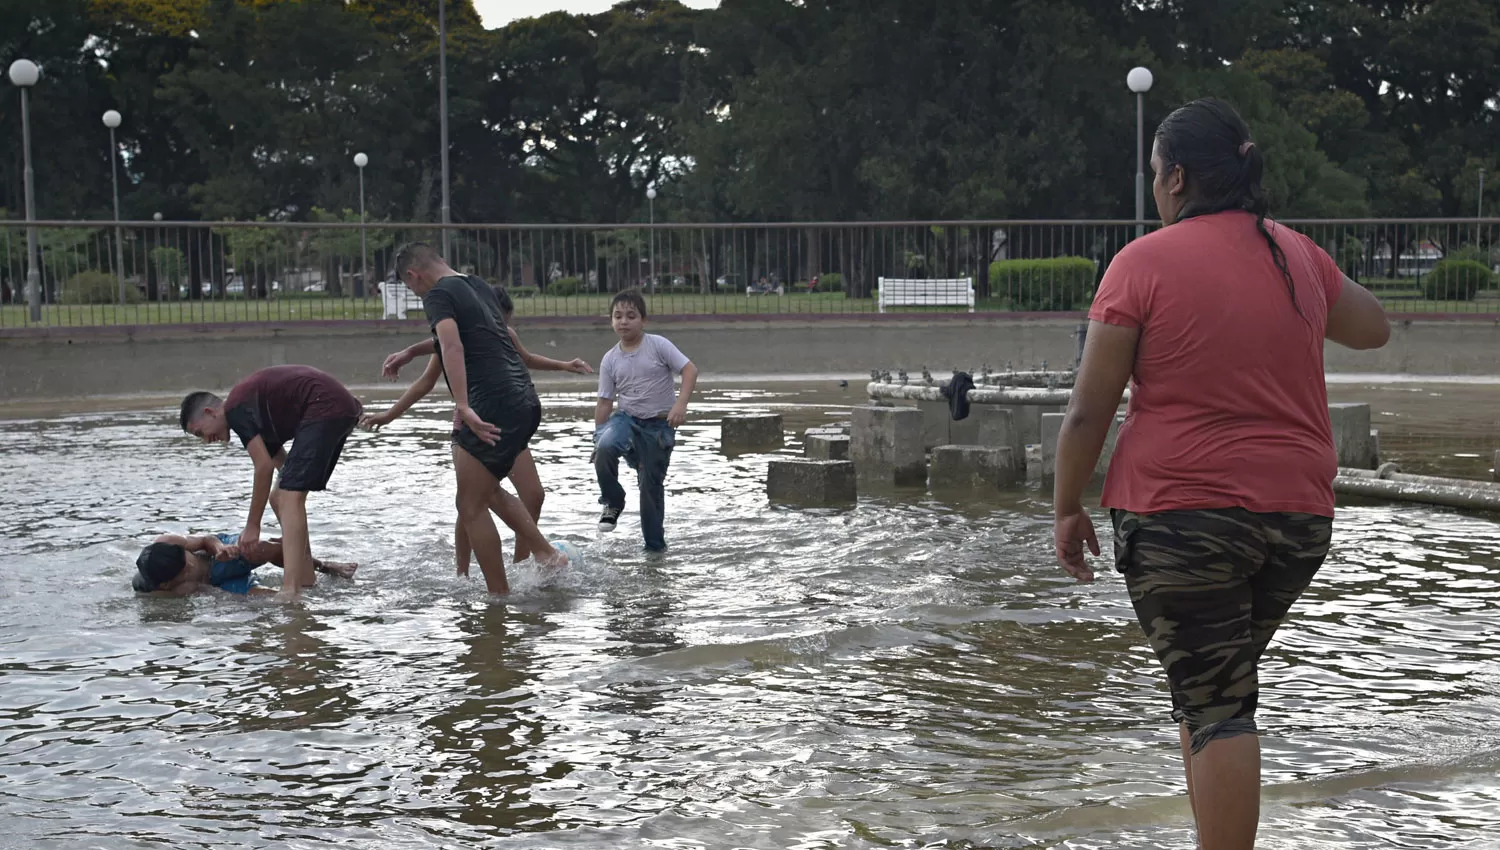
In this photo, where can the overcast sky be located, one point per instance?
(498, 13)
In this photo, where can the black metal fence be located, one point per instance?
(99, 273)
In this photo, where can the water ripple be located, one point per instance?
(907, 673)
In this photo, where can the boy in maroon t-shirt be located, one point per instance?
(266, 410)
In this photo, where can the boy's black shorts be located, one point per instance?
(315, 452)
(515, 437)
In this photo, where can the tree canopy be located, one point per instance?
(759, 110)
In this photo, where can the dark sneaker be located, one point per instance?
(608, 519)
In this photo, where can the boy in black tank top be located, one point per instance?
(497, 403)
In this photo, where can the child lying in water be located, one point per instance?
(185, 565)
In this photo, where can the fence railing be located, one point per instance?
(147, 273)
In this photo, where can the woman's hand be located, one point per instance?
(1070, 533)
(578, 366)
(374, 421)
(391, 368)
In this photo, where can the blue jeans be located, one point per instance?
(646, 445)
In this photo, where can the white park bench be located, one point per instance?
(899, 292)
(397, 299)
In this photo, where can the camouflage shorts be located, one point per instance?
(1210, 588)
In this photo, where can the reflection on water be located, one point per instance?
(909, 673)
(1431, 428)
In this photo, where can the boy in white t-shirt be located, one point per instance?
(638, 373)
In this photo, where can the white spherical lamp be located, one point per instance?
(650, 193)
(1139, 80)
(360, 160)
(111, 119)
(24, 72)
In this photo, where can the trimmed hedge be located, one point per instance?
(1053, 285)
(96, 287)
(564, 286)
(830, 282)
(1470, 252)
(524, 291)
(1456, 280)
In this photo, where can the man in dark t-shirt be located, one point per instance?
(497, 403)
(266, 410)
(500, 388)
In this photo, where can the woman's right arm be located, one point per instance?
(1356, 320)
(414, 393)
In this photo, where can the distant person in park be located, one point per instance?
(268, 409)
(639, 375)
(1220, 488)
(523, 474)
(496, 404)
(181, 565)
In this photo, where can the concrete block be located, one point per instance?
(1028, 421)
(935, 423)
(1496, 471)
(1375, 447)
(972, 468)
(885, 444)
(1351, 435)
(1034, 463)
(753, 432)
(826, 447)
(965, 431)
(1051, 427)
(997, 427)
(811, 482)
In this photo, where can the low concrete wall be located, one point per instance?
(62, 363)
(1427, 346)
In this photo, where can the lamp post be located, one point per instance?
(360, 161)
(651, 206)
(24, 74)
(443, 110)
(112, 120)
(1481, 194)
(1139, 80)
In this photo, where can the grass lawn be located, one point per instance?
(303, 308)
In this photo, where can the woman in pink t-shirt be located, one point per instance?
(1221, 485)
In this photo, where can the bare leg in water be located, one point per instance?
(1224, 788)
(528, 484)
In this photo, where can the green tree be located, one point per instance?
(1300, 180)
(256, 256)
(338, 249)
(166, 272)
(1427, 72)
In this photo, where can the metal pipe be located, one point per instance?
(1004, 378)
(1140, 164)
(735, 226)
(364, 251)
(33, 251)
(114, 178)
(1430, 480)
(1447, 495)
(443, 110)
(978, 395)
